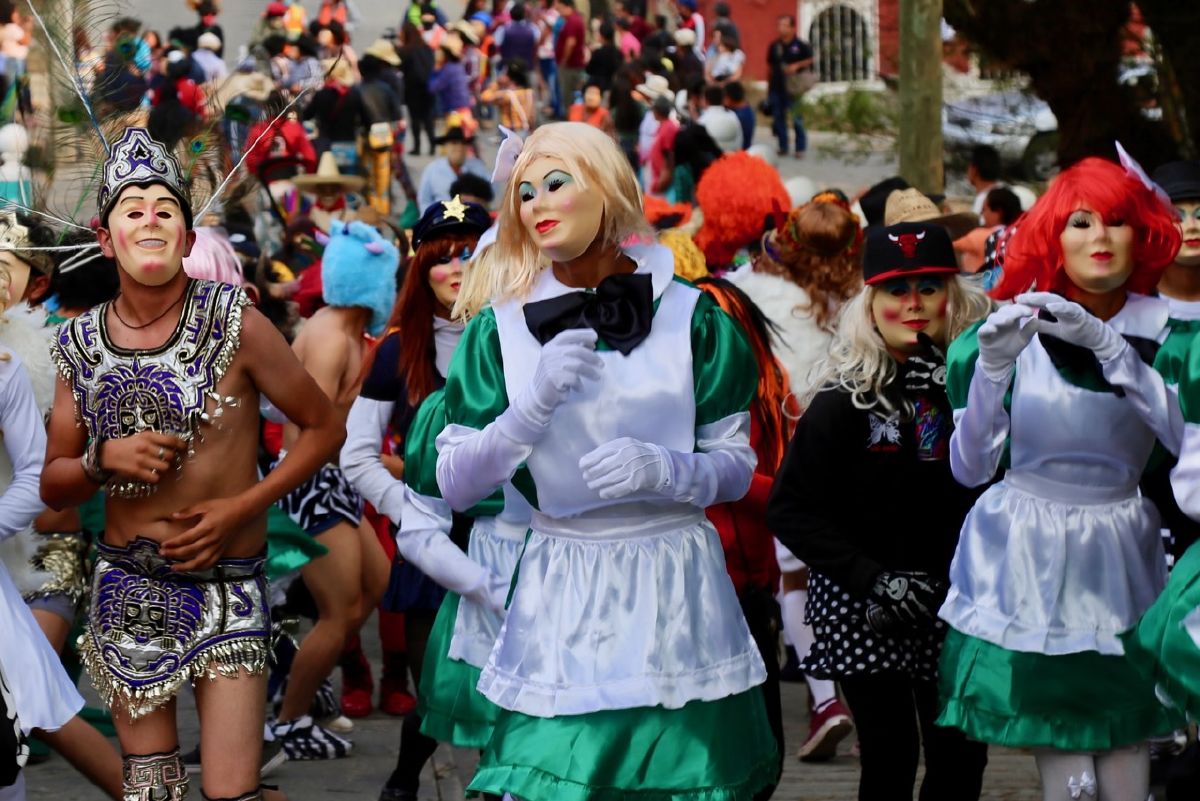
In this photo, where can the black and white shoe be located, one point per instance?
(325, 703)
(303, 739)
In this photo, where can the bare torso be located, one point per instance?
(332, 347)
(225, 462)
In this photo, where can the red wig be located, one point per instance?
(1033, 256)
(737, 194)
(414, 311)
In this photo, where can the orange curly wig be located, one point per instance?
(737, 194)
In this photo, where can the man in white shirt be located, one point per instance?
(722, 124)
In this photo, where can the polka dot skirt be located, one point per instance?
(846, 646)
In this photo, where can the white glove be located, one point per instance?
(625, 466)
(1002, 338)
(565, 362)
(1076, 325)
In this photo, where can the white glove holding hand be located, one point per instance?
(565, 362)
(1076, 325)
(1002, 338)
(626, 466)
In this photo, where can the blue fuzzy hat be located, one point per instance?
(359, 269)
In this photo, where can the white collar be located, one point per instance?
(1142, 316)
(654, 260)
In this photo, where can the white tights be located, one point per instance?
(801, 636)
(1122, 774)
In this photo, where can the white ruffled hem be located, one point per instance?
(621, 622)
(476, 627)
(1014, 635)
(509, 691)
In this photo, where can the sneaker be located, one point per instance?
(325, 703)
(302, 739)
(394, 697)
(828, 727)
(272, 757)
(339, 724)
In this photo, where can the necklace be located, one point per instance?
(161, 315)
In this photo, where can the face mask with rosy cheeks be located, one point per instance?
(905, 307)
(1188, 214)
(445, 277)
(147, 234)
(1097, 254)
(16, 277)
(562, 217)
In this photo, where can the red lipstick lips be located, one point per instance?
(545, 225)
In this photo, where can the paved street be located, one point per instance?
(1011, 775)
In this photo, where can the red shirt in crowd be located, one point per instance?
(287, 138)
(572, 30)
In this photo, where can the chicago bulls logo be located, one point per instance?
(907, 243)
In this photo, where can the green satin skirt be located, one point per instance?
(1160, 645)
(705, 751)
(1075, 702)
(452, 710)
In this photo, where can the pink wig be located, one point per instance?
(213, 258)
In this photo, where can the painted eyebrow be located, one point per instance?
(129, 198)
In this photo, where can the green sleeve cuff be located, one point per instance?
(724, 367)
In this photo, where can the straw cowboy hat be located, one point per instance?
(466, 30)
(339, 69)
(655, 86)
(910, 205)
(383, 50)
(328, 175)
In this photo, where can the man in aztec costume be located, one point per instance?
(157, 403)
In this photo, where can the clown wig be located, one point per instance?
(1033, 255)
(597, 163)
(737, 194)
(416, 306)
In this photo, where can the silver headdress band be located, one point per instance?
(136, 158)
(14, 237)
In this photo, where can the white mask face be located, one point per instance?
(561, 216)
(147, 234)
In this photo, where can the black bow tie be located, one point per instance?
(620, 311)
(1082, 363)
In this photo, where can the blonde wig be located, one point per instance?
(597, 163)
(858, 361)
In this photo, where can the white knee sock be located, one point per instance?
(801, 635)
(1067, 776)
(1124, 773)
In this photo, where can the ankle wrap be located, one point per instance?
(154, 777)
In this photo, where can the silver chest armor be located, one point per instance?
(120, 392)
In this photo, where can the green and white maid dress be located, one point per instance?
(470, 615)
(624, 668)
(469, 620)
(1063, 553)
(1166, 643)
